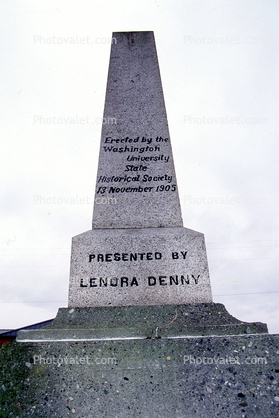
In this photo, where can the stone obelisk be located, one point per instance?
(138, 252)
(136, 177)
(139, 290)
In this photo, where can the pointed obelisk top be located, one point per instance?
(136, 184)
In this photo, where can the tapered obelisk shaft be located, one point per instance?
(127, 259)
(136, 184)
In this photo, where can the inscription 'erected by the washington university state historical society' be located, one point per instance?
(136, 162)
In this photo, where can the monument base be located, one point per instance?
(135, 267)
(130, 322)
(225, 376)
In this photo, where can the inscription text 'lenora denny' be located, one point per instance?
(186, 279)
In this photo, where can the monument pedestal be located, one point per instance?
(202, 377)
(149, 266)
(141, 322)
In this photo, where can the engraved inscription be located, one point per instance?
(150, 281)
(137, 153)
(149, 256)
(175, 279)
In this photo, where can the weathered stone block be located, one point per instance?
(150, 266)
(136, 184)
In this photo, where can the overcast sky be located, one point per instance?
(219, 69)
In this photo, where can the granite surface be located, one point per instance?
(148, 266)
(136, 184)
(147, 360)
(224, 377)
(135, 322)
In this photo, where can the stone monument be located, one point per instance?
(138, 260)
(139, 290)
(138, 252)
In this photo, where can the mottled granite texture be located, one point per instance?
(140, 322)
(224, 377)
(148, 266)
(136, 184)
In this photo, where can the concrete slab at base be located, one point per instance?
(151, 266)
(129, 322)
(224, 377)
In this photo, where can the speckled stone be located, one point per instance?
(147, 360)
(140, 322)
(136, 184)
(138, 252)
(148, 266)
(227, 377)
